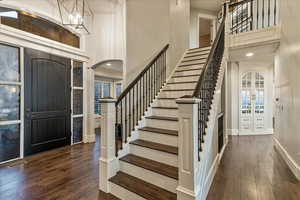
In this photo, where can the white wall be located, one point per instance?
(287, 81)
(235, 70)
(150, 25)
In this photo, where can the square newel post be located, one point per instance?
(188, 164)
(107, 161)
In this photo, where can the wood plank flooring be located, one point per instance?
(251, 169)
(69, 173)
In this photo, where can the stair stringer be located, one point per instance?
(206, 179)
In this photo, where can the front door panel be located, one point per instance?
(47, 101)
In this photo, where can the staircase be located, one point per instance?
(150, 170)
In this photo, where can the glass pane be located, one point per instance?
(9, 142)
(97, 108)
(77, 74)
(77, 102)
(118, 89)
(9, 64)
(9, 103)
(77, 129)
(98, 90)
(106, 89)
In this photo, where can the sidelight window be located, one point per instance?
(10, 103)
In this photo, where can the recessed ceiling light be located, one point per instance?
(249, 54)
(108, 64)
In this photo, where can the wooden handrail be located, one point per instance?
(132, 84)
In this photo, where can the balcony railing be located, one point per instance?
(249, 15)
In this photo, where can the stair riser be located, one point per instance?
(197, 53)
(165, 103)
(165, 112)
(199, 49)
(175, 94)
(193, 62)
(180, 86)
(186, 73)
(124, 194)
(163, 124)
(190, 67)
(159, 156)
(149, 176)
(194, 57)
(159, 138)
(183, 79)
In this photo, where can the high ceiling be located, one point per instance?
(210, 5)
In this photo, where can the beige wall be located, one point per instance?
(287, 80)
(150, 25)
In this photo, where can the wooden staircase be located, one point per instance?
(150, 170)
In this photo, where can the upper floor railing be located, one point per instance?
(251, 15)
(136, 98)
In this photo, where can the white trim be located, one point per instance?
(20, 38)
(295, 168)
(11, 83)
(77, 116)
(77, 88)
(22, 128)
(10, 122)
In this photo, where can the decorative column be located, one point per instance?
(188, 164)
(107, 161)
(89, 135)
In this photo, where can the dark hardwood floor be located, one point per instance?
(68, 173)
(251, 169)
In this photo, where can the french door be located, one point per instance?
(252, 102)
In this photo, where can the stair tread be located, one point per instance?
(151, 165)
(162, 107)
(177, 90)
(184, 82)
(184, 61)
(191, 65)
(159, 130)
(188, 65)
(163, 118)
(189, 70)
(142, 188)
(186, 76)
(201, 54)
(156, 146)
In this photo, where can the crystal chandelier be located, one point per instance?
(75, 14)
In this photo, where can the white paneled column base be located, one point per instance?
(188, 164)
(107, 162)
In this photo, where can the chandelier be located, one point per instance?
(75, 14)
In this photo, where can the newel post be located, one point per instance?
(188, 164)
(107, 161)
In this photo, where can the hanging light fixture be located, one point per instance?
(75, 13)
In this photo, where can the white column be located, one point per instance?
(188, 164)
(107, 161)
(89, 135)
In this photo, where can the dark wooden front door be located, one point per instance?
(47, 101)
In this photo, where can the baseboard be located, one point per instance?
(232, 132)
(236, 132)
(210, 177)
(295, 168)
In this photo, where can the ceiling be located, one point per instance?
(210, 5)
(113, 65)
(262, 54)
